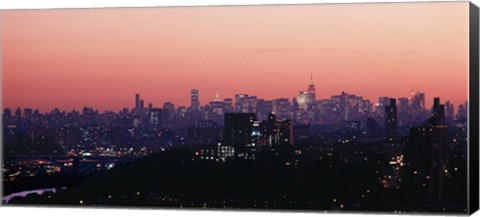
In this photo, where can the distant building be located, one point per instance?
(449, 112)
(306, 99)
(18, 113)
(155, 116)
(438, 111)
(391, 123)
(137, 101)
(168, 112)
(215, 110)
(238, 101)
(282, 109)
(7, 115)
(195, 102)
(228, 105)
(142, 105)
(204, 134)
(417, 100)
(245, 103)
(403, 110)
(278, 132)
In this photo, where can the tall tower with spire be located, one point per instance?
(306, 99)
(217, 97)
(311, 87)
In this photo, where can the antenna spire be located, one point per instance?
(217, 97)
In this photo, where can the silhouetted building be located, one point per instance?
(301, 134)
(282, 134)
(142, 105)
(391, 124)
(403, 110)
(228, 105)
(278, 132)
(168, 112)
(425, 155)
(18, 113)
(195, 102)
(462, 111)
(137, 101)
(7, 115)
(438, 111)
(204, 133)
(238, 130)
(372, 127)
(449, 112)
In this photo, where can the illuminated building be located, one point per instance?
(306, 99)
(225, 152)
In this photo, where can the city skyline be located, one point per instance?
(91, 60)
(145, 103)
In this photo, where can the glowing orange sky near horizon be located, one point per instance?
(73, 58)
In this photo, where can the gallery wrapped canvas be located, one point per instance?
(369, 107)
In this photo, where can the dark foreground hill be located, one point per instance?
(173, 179)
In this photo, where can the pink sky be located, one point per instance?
(102, 57)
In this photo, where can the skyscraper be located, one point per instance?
(438, 111)
(391, 123)
(142, 105)
(137, 101)
(403, 112)
(195, 103)
(426, 154)
(311, 88)
(306, 99)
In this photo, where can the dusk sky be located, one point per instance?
(73, 58)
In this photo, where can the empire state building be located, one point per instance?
(306, 99)
(311, 88)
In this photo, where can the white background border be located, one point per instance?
(73, 212)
